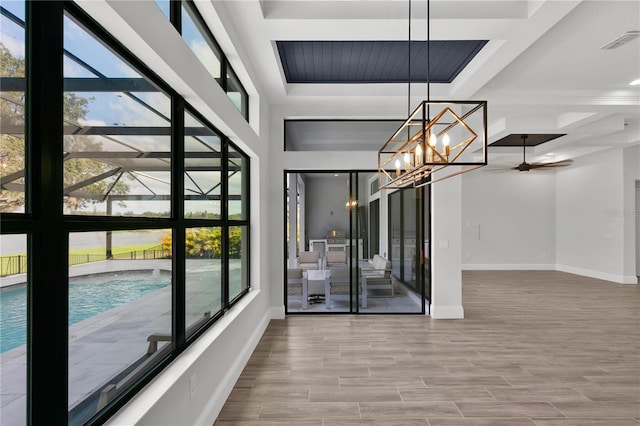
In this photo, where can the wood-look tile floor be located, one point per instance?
(535, 348)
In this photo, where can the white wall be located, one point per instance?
(590, 223)
(326, 205)
(508, 220)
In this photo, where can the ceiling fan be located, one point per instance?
(525, 167)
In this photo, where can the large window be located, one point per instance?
(199, 38)
(130, 207)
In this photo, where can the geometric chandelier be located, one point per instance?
(454, 135)
(435, 136)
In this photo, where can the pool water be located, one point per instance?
(88, 296)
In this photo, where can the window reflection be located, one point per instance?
(238, 261)
(13, 329)
(119, 315)
(237, 199)
(203, 170)
(203, 44)
(203, 275)
(237, 94)
(117, 133)
(12, 107)
(195, 34)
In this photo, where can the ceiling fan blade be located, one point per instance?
(497, 168)
(562, 163)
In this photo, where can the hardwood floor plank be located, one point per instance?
(448, 394)
(586, 422)
(535, 348)
(518, 421)
(309, 410)
(397, 410)
(264, 422)
(508, 409)
(374, 422)
(354, 394)
(610, 409)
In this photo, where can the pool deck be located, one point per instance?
(105, 344)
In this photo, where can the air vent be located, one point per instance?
(629, 35)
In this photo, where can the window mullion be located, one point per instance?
(179, 228)
(175, 13)
(225, 217)
(47, 247)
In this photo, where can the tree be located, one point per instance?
(206, 243)
(76, 170)
(11, 146)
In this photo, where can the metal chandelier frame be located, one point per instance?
(455, 135)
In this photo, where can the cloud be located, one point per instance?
(206, 56)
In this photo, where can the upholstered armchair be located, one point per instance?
(309, 260)
(336, 258)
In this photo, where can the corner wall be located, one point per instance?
(590, 220)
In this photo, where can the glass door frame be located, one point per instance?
(352, 241)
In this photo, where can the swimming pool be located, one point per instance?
(88, 296)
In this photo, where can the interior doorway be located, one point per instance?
(338, 246)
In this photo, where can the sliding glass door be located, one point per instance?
(351, 248)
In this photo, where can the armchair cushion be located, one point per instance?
(379, 276)
(336, 257)
(309, 260)
(382, 266)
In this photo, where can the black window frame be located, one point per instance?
(47, 227)
(225, 66)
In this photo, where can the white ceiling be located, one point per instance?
(543, 70)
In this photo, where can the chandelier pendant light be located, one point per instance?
(436, 135)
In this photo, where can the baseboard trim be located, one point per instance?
(509, 267)
(219, 397)
(620, 279)
(446, 312)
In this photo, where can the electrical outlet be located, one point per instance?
(192, 386)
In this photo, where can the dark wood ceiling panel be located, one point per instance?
(375, 61)
(532, 139)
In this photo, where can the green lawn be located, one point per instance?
(16, 263)
(115, 250)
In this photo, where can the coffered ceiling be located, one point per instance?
(543, 69)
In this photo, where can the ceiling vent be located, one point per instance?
(629, 35)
